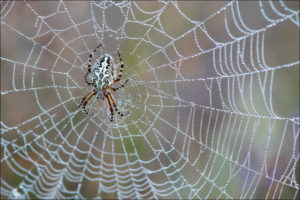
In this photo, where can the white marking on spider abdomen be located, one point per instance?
(102, 74)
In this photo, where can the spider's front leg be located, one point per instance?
(110, 108)
(85, 100)
(114, 104)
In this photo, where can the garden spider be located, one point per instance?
(102, 79)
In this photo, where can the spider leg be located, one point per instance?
(91, 56)
(85, 103)
(121, 86)
(114, 104)
(90, 63)
(86, 81)
(121, 68)
(110, 108)
(85, 100)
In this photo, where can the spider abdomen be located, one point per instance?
(102, 74)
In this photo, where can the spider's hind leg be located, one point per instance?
(90, 63)
(91, 56)
(121, 67)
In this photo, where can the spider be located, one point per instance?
(102, 79)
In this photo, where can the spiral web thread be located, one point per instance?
(212, 100)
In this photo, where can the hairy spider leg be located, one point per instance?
(114, 104)
(110, 108)
(86, 81)
(86, 102)
(121, 86)
(90, 63)
(91, 56)
(121, 68)
(86, 99)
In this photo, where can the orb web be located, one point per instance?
(212, 97)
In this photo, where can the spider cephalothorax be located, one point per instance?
(102, 79)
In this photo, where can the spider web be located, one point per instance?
(212, 100)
